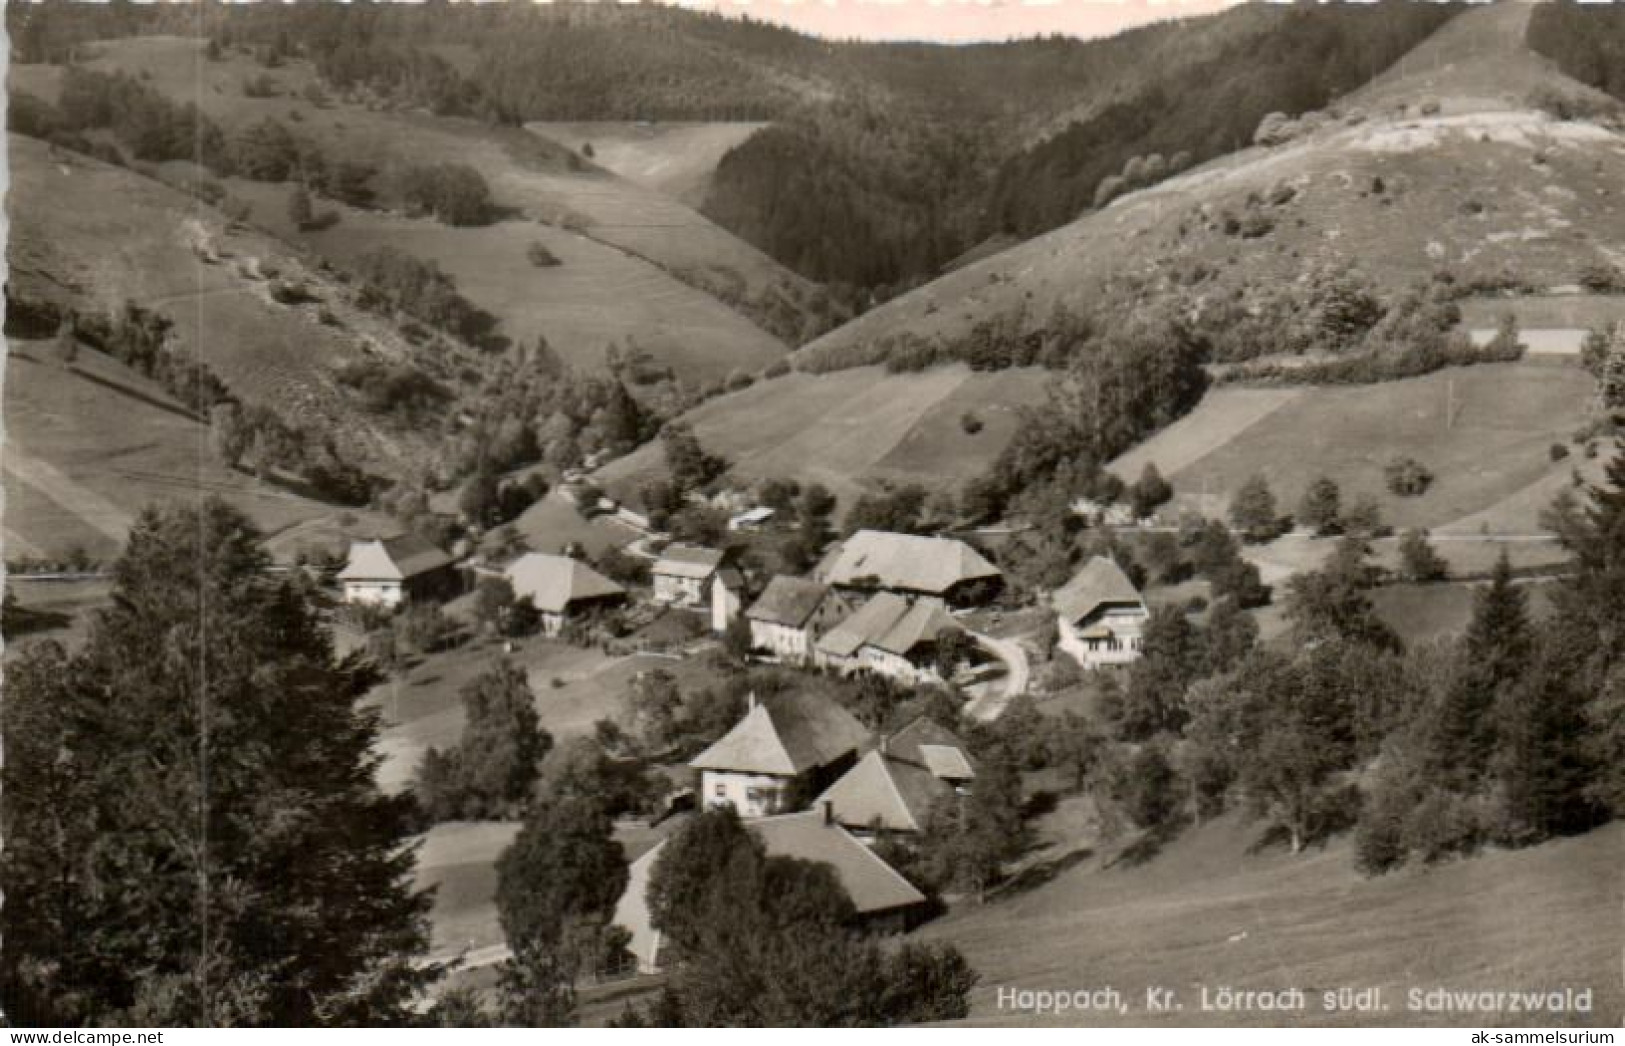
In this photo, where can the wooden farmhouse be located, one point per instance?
(1101, 616)
(908, 564)
(560, 588)
(891, 635)
(885, 902)
(791, 613)
(896, 787)
(785, 750)
(392, 571)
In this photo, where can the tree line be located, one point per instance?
(1508, 735)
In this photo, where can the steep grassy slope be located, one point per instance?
(631, 237)
(92, 236)
(1485, 432)
(1208, 911)
(89, 443)
(854, 428)
(1482, 184)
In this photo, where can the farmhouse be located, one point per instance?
(790, 615)
(683, 574)
(885, 902)
(389, 571)
(910, 564)
(1101, 615)
(560, 587)
(894, 787)
(786, 749)
(891, 635)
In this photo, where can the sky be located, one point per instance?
(958, 21)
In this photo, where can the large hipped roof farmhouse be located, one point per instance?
(904, 563)
(874, 886)
(786, 735)
(399, 558)
(552, 583)
(1100, 583)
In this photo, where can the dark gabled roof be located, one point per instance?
(904, 561)
(786, 734)
(925, 621)
(947, 762)
(864, 625)
(885, 792)
(399, 558)
(872, 884)
(888, 622)
(554, 582)
(911, 743)
(1099, 583)
(788, 601)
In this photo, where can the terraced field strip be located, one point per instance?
(106, 517)
(1223, 415)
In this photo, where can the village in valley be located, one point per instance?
(901, 612)
(615, 515)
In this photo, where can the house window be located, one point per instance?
(720, 791)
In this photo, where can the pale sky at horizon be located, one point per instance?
(958, 21)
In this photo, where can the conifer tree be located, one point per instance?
(1495, 653)
(194, 834)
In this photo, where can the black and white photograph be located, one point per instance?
(975, 514)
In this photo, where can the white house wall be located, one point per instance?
(373, 593)
(782, 640)
(751, 795)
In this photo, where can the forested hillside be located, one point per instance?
(1209, 103)
(1587, 41)
(884, 161)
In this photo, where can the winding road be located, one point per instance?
(991, 705)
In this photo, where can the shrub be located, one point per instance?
(1407, 477)
(1255, 226)
(1110, 188)
(1603, 278)
(454, 193)
(396, 389)
(1563, 105)
(1558, 451)
(1418, 561)
(1144, 785)
(969, 423)
(538, 255)
(1276, 129)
